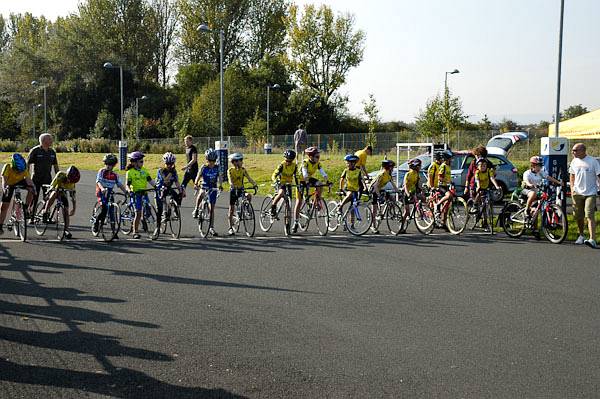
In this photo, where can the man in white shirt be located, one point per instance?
(584, 172)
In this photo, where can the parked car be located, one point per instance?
(502, 143)
(506, 172)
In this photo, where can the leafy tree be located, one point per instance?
(573, 111)
(323, 48)
(543, 125)
(430, 121)
(372, 113)
(266, 29)
(190, 80)
(4, 35)
(105, 126)
(255, 129)
(165, 15)
(485, 123)
(8, 121)
(507, 125)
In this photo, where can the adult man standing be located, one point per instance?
(300, 139)
(191, 168)
(584, 172)
(43, 158)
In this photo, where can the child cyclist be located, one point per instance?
(235, 176)
(483, 176)
(309, 169)
(167, 183)
(381, 180)
(285, 173)
(63, 181)
(351, 181)
(15, 174)
(412, 178)
(106, 180)
(532, 180)
(444, 179)
(208, 179)
(137, 178)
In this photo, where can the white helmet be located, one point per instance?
(169, 158)
(236, 156)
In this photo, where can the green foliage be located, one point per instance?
(371, 111)
(8, 121)
(105, 126)
(573, 111)
(441, 114)
(485, 123)
(507, 125)
(255, 130)
(323, 48)
(190, 80)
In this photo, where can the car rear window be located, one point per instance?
(496, 161)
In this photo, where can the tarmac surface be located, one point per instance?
(411, 316)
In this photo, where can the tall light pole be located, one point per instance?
(137, 115)
(560, 37)
(36, 106)
(446, 101)
(35, 83)
(122, 143)
(269, 87)
(205, 28)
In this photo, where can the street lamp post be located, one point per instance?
(137, 115)
(36, 83)
(560, 38)
(446, 101)
(269, 87)
(122, 143)
(33, 124)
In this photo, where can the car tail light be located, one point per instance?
(514, 170)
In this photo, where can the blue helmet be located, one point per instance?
(351, 158)
(18, 163)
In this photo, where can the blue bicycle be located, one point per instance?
(149, 220)
(356, 215)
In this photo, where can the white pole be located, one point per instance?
(221, 39)
(45, 118)
(560, 37)
(137, 116)
(121, 78)
(268, 87)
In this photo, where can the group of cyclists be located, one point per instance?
(292, 177)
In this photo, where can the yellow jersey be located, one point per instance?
(12, 177)
(236, 177)
(411, 181)
(444, 175)
(383, 178)
(362, 158)
(311, 168)
(61, 181)
(286, 174)
(482, 179)
(352, 179)
(433, 173)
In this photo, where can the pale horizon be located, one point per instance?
(506, 51)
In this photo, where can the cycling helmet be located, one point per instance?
(350, 158)
(236, 156)
(210, 154)
(289, 154)
(18, 163)
(481, 160)
(536, 160)
(438, 156)
(136, 156)
(386, 163)
(447, 154)
(73, 174)
(310, 151)
(414, 163)
(169, 158)
(110, 159)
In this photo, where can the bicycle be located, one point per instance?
(482, 213)
(204, 220)
(244, 213)
(149, 219)
(515, 220)
(314, 208)
(112, 219)
(356, 216)
(266, 218)
(453, 215)
(416, 207)
(389, 210)
(57, 216)
(172, 215)
(18, 216)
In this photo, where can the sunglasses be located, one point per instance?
(170, 164)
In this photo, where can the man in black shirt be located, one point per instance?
(191, 168)
(43, 158)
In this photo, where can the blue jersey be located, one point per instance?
(161, 180)
(210, 176)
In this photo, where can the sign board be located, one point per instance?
(222, 148)
(554, 153)
(123, 154)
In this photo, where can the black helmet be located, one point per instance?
(110, 159)
(438, 156)
(387, 163)
(447, 154)
(210, 154)
(289, 154)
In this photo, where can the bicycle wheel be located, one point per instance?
(407, 214)
(21, 221)
(358, 219)
(110, 227)
(165, 217)
(513, 219)
(204, 219)
(127, 216)
(149, 222)
(424, 218)
(265, 219)
(334, 218)
(394, 216)
(60, 215)
(93, 218)
(306, 213)
(287, 217)
(38, 219)
(321, 216)
(458, 215)
(174, 216)
(554, 224)
(247, 214)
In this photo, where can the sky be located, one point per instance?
(506, 51)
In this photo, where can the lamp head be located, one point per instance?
(276, 86)
(108, 65)
(204, 28)
(455, 71)
(34, 83)
(144, 98)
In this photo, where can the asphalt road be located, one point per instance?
(304, 317)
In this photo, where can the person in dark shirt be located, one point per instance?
(191, 168)
(43, 158)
